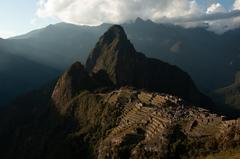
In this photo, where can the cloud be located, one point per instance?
(94, 12)
(216, 19)
(236, 5)
(186, 13)
(215, 8)
(230, 19)
(224, 25)
(203, 17)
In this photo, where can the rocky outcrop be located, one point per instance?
(74, 80)
(116, 56)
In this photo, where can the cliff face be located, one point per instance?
(115, 55)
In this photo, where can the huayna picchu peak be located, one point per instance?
(120, 105)
(116, 56)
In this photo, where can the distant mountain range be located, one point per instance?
(205, 55)
(211, 60)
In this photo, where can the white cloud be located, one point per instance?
(186, 13)
(215, 8)
(94, 12)
(221, 26)
(231, 23)
(236, 5)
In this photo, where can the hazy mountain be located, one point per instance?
(19, 75)
(229, 95)
(82, 117)
(56, 45)
(209, 58)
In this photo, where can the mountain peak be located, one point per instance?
(110, 47)
(116, 32)
(75, 67)
(139, 20)
(70, 84)
(117, 29)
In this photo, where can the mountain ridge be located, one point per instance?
(155, 40)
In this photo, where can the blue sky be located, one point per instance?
(18, 17)
(226, 3)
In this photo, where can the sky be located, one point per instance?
(18, 17)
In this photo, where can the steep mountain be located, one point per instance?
(86, 115)
(115, 55)
(73, 81)
(61, 42)
(19, 75)
(229, 95)
(210, 59)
